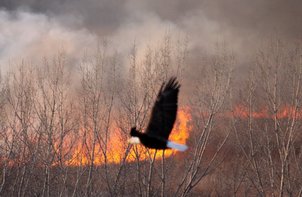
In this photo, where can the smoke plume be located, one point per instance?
(33, 29)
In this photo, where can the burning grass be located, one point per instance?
(116, 150)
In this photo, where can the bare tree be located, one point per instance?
(19, 136)
(272, 105)
(64, 129)
(211, 96)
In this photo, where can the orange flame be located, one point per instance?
(117, 150)
(86, 148)
(243, 112)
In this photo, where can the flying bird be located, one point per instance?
(163, 116)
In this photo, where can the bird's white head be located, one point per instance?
(134, 140)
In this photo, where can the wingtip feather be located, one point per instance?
(173, 83)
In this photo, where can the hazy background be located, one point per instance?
(32, 29)
(243, 126)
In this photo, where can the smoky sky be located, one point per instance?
(110, 14)
(78, 23)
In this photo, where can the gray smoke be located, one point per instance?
(35, 28)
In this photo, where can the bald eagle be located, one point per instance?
(163, 116)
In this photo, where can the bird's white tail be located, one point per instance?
(179, 147)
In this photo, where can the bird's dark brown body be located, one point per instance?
(148, 141)
(162, 119)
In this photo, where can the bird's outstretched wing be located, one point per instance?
(164, 110)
